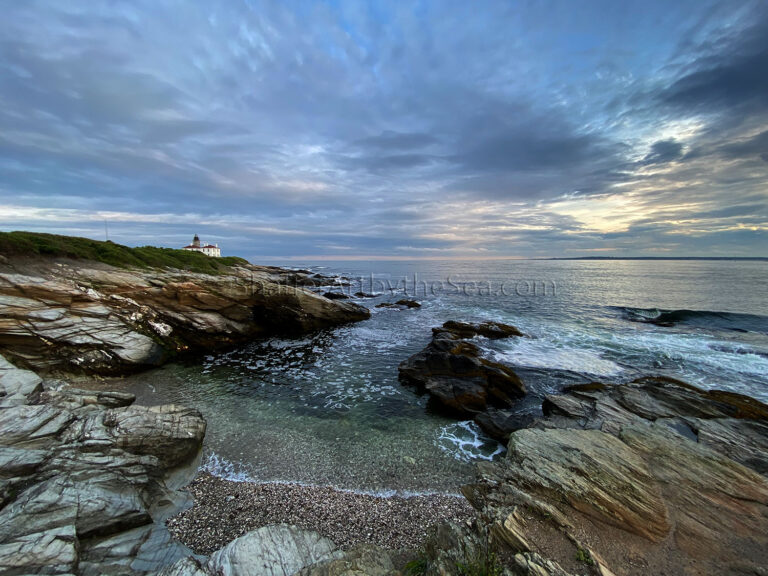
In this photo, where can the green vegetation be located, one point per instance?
(481, 565)
(51, 245)
(416, 567)
(583, 556)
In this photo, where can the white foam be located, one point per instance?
(220, 467)
(466, 442)
(539, 353)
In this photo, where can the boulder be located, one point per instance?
(273, 550)
(459, 379)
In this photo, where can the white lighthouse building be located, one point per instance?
(207, 249)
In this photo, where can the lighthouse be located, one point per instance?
(212, 250)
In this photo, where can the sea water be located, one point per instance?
(328, 408)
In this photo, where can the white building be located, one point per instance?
(207, 249)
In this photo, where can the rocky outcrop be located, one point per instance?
(91, 317)
(284, 550)
(400, 304)
(457, 377)
(85, 478)
(651, 477)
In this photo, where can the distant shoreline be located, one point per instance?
(741, 258)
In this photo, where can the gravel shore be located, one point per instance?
(224, 510)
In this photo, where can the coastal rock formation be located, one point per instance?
(284, 550)
(654, 476)
(452, 370)
(85, 478)
(400, 304)
(87, 316)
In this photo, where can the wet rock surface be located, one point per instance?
(86, 478)
(84, 316)
(400, 304)
(460, 380)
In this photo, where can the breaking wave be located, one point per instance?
(698, 318)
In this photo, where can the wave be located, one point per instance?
(220, 467)
(700, 318)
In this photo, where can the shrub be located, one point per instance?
(53, 245)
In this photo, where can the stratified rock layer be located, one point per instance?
(83, 478)
(651, 477)
(92, 317)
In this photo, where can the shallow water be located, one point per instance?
(328, 408)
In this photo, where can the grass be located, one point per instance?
(481, 565)
(51, 245)
(416, 567)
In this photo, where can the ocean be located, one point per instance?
(328, 409)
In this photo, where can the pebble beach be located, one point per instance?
(224, 510)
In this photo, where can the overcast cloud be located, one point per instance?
(389, 129)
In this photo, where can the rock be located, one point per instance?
(335, 296)
(532, 564)
(16, 462)
(173, 434)
(453, 372)
(500, 424)
(17, 386)
(359, 561)
(90, 501)
(655, 469)
(107, 320)
(402, 303)
(51, 552)
(489, 329)
(364, 295)
(274, 550)
(33, 426)
(186, 567)
(596, 473)
(83, 479)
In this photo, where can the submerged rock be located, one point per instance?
(458, 378)
(402, 303)
(95, 318)
(335, 296)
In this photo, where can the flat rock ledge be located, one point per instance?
(650, 477)
(87, 479)
(89, 317)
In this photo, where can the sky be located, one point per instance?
(293, 130)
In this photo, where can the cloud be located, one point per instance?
(664, 151)
(378, 129)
